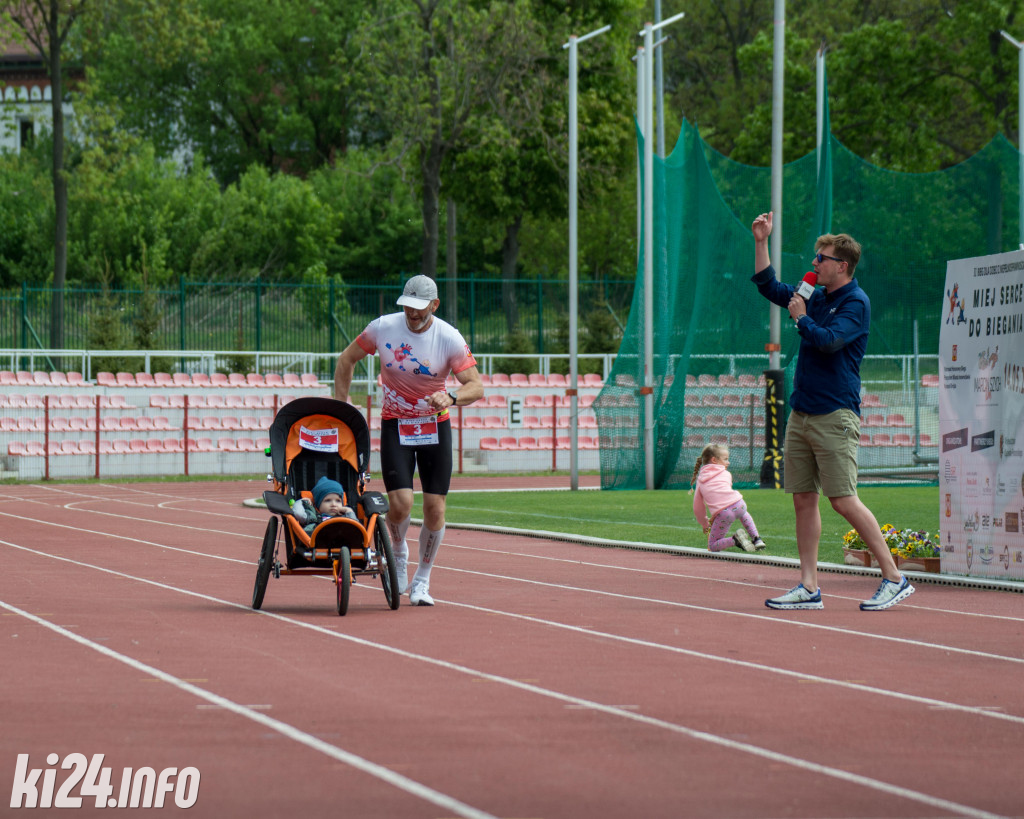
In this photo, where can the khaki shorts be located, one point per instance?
(820, 453)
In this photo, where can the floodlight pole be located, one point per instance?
(819, 65)
(574, 475)
(1020, 133)
(778, 73)
(648, 387)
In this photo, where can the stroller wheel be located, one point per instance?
(386, 562)
(344, 582)
(265, 564)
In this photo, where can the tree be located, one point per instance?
(45, 25)
(436, 67)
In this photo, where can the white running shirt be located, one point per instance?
(413, 366)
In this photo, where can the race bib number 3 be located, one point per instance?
(319, 440)
(418, 431)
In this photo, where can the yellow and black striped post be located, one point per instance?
(774, 428)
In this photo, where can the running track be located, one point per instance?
(550, 680)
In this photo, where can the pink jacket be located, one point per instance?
(714, 488)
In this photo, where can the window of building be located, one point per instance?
(26, 132)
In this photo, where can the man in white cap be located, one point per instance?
(417, 351)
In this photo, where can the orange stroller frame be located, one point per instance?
(311, 438)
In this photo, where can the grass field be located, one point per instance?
(667, 516)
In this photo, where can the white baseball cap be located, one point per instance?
(419, 292)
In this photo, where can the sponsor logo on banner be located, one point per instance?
(984, 440)
(950, 472)
(971, 485)
(1008, 447)
(1012, 522)
(954, 440)
(1013, 377)
(954, 352)
(972, 524)
(949, 504)
(319, 440)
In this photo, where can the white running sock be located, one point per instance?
(430, 542)
(399, 545)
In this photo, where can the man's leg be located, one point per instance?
(808, 534)
(863, 520)
(397, 518)
(431, 534)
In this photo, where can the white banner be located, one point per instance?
(981, 417)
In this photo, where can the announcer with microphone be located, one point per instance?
(823, 432)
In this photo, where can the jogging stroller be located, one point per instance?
(311, 438)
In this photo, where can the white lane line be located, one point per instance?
(713, 739)
(769, 618)
(382, 773)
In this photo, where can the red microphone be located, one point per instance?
(806, 287)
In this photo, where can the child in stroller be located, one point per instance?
(328, 502)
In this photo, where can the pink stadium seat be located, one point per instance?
(25, 378)
(501, 380)
(533, 422)
(155, 445)
(557, 380)
(488, 443)
(865, 440)
(563, 442)
(212, 401)
(896, 420)
(930, 380)
(881, 439)
(236, 380)
(85, 401)
(494, 422)
(7, 378)
(63, 401)
(8, 423)
(250, 422)
(34, 448)
(144, 422)
(255, 380)
(926, 439)
(234, 401)
(246, 444)
(309, 380)
(871, 400)
(546, 442)
(727, 381)
(519, 380)
(58, 423)
(273, 380)
(592, 380)
(58, 378)
(137, 445)
(210, 422)
(508, 443)
(173, 445)
(292, 380)
(105, 379)
(493, 401)
(472, 422)
(739, 439)
(263, 443)
(162, 422)
(86, 446)
(36, 401)
(163, 379)
(536, 380)
(875, 420)
(230, 422)
(586, 442)
(219, 380)
(746, 381)
(159, 401)
(40, 378)
(16, 448)
(705, 380)
(125, 379)
(735, 420)
(902, 439)
(78, 424)
(227, 445)
(145, 380)
(201, 380)
(76, 379)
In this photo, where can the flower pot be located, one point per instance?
(857, 557)
(919, 564)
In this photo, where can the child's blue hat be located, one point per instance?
(324, 487)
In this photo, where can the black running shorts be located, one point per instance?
(397, 462)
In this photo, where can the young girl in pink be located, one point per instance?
(713, 493)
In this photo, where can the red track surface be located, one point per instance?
(550, 680)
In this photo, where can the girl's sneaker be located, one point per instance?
(759, 544)
(796, 598)
(742, 540)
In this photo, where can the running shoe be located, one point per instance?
(742, 540)
(888, 594)
(419, 594)
(759, 544)
(796, 598)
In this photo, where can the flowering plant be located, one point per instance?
(901, 542)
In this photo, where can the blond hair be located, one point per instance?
(844, 246)
(710, 451)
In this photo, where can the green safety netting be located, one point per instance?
(711, 326)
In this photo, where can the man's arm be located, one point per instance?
(471, 388)
(762, 229)
(849, 323)
(344, 369)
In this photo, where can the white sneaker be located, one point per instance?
(402, 570)
(888, 594)
(419, 594)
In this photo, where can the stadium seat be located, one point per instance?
(592, 380)
(563, 442)
(145, 423)
(8, 423)
(40, 378)
(201, 380)
(586, 442)
(234, 401)
(874, 420)
(63, 401)
(501, 380)
(105, 379)
(59, 423)
(291, 380)
(58, 378)
(902, 439)
(85, 401)
(236, 380)
(273, 380)
(533, 422)
(154, 445)
(309, 380)
(227, 445)
(159, 401)
(263, 443)
(930, 380)
(219, 380)
(494, 422)
(746, 381)
(738, 439)
(735, 420)
(35, 401)
(865, 440)
(705, 380)
(881, 439)
(508, 443)
(25, 378)
(210, 422)
(557, 380)
(926, 439)
(16, 448)
(145, 380)
(472, 422)
(8, 378)
(871, 400)
(537, 380)
(488, 443)
(712, 400)
(125, 379)
(255, 380)
(494, 401)
(86, 446)
(518, 380)
(250, 422)
(76, 379)
(34, 448)
(246, 444)
(727, 381)
(162, 422)
(173, 445)
(546, 442)
(896, 420)
(77, 423)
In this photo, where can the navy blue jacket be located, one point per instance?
(833, 338)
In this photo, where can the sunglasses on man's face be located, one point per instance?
(820, 257)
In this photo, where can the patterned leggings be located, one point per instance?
(718, 537)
